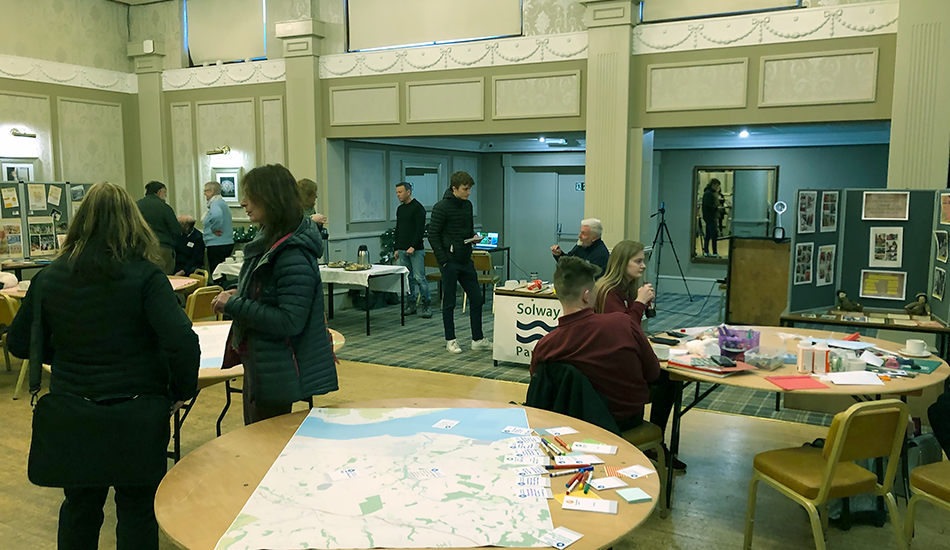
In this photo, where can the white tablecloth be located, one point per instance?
(382, 278)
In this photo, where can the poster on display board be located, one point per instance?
(11, 239)
(803, 263)
(943, 245)
(940, 282)
(885, 285)
(829, 211)
(886, 247)
(826, 265)
(806, 211)
(885, 205)
(945, 208)
(43, 240)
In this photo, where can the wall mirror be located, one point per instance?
(730, 201)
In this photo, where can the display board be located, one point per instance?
(940, 307)
(815, 232)
(11, 223)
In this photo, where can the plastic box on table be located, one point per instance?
(734, 342)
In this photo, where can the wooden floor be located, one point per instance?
(708, 513)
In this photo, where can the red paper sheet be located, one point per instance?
(790, 383)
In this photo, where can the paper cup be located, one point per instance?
(23, 285)
(662, 351)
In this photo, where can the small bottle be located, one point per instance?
(822, 359)
(806, 357)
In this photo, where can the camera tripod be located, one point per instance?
(661, 238)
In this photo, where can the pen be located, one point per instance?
(573, 479)
(548, 451)
(563, 472)
(587, 483)
(551, 446)
(573, 486)
(558, 439)
(565, 466)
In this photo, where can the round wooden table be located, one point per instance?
(202, 495)
(179, 284)
(755, 380)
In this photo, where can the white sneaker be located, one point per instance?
(452, 346)
(483, 344)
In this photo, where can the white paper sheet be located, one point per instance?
(854, 378)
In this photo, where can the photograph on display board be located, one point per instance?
(826, 265)
(885, 285)
(806, 211)
(886, 205)
(17, 172)
(829, 211)
(803, 263)
(10, 198)
(940, 281)
(887, 246)
(77, 192)
(11, 239)
(37, 195)
(945, 208)
(942, 245)
(42, 236)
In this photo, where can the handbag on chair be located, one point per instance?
(83, 442)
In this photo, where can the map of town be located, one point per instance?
(394, 478)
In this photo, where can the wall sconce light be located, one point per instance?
(224, 150)
(17, 133)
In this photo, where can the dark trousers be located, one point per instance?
(80, 518)
(939, 415)
(463, 274)
(712, 235)
(662, 393)
(216, 255)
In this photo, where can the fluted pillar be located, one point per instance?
(920, 120)
(147, 60)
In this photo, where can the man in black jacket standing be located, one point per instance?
(410, 250)
(451, 234)
(161, 218)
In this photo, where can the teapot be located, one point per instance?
(362, 255)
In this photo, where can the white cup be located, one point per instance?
(855, 364)
(23, 285)
(662, 351)
(916, 347)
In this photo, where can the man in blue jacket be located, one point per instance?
(451, 234)
(218, 233)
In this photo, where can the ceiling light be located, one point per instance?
(17, 133)
(744, 134)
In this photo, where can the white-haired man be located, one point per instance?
(589, 245)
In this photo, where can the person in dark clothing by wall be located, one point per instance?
(189, 248)
(161, 218)
(410, 248)
(451, 234)
(589, 246)
(939, 416)
(710, 211)
(117, 332)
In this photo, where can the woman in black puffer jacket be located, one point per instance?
(279, 333)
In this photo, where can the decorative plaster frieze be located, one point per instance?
(783, 26)
(489, 53)
(51, 72)
(232, 74)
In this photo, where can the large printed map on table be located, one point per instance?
(374, 478)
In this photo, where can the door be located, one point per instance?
(570, 209)
(751, 203)
(533, 227)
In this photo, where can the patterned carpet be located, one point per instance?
(420, 345)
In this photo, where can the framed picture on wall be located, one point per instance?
(826, 265)
(886, 247)
(229, 179)
(829, 211)
(943, 245)
(806, 211)
(17, 171)
(885, 205)
(885, 285)
(940, 281)
(803, 263)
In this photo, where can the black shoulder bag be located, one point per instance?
(83, 442)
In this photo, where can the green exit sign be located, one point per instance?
(579, 186)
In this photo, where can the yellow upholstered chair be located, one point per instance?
(811, 476)
(198, 306)
(486, 274)
(8, 309)
(202, 276)
(436, 276)
(649, 436)
(930, 483)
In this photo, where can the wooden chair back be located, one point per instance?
(198, 306)
(485, 268)
(8, 309)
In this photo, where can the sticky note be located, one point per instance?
(517, 431)
(520, 459)
(634, 495)
(577, 459)
(560, 496)
(445, 424)
(529, 452)
(531, 471)
(582, 504)
(534, 481)
(562, 537)
(594, 448)
(340, 475)
(534, 492)
(562, 430)
(635, 471)
(606, 483)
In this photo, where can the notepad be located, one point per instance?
(790, 383)
(634, 495)
(635, 471)
(606, 483)
(562, 537)
(582, 504)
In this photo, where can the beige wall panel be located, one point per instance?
(537, 96)
(272, 130)
(658, 10)
(705, 85)
(808, 79)
(230, 123)
(30, 114)
(91, 141)
(366, 175)
(357, 105)
(446, 101)
(187, 190)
